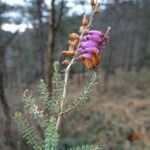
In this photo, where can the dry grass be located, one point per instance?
(108, 116)
(125, 106)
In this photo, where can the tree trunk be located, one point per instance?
(51, 44)
(54, 26)
(5, 106)
(7, 130)
(41, 50)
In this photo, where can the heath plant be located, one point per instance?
(85, 47)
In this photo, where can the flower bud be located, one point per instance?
(65, 62)
(73, 43)
(73, 36)
(92, 2)
(68, 53)
(85, 20)
(72, 48)
(96, 9)
(81, 30)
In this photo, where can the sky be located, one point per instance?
(13, 27)
(21, 2)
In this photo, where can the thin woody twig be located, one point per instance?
(107, 31)
(70, 109)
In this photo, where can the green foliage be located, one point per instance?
(57, 84)
(86, 148)
(51, 135)
(29, 133)
(49, 126)
(44, 94)
(29, 104)
(85, 93)
(57, 80)
(51, 101)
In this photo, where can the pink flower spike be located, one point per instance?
(81, 50)
(94, 38)
(103, 41)
(90, 49)
(86, 55)
(95, 32)
(88, 44)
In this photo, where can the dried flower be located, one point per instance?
(85, 20)
(65, 62)
(96, 58)
(92, 2)
(96, 9)
(87, 60)
(73, 36)
(73, 43)
(83, 30)
(90, 60)
(68, 53)
(72, 48)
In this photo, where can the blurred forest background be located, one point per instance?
(121, 100)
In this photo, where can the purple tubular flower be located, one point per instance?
(88, 44)
(81, 50)
(86, 55)
(95, 32)
(103, 41)
(94, 38)
(90, 49)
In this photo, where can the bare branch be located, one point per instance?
(60, 15)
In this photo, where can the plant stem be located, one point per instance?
(67, 71)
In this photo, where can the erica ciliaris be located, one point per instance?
(87, 47)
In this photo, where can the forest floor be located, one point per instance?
(109, 115)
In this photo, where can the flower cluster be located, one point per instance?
(86, 49)
(90, 47)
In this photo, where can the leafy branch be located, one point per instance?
(28, 131)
